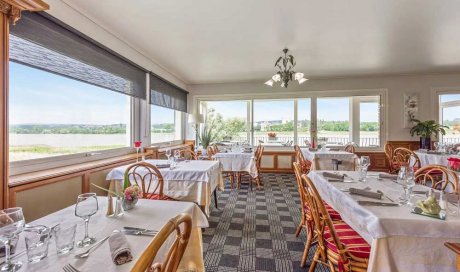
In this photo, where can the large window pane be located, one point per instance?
(369, 124)
(232, 116)
(52, 115)
(450, 116)
(274, 122)
(303, 121)
(333, 122)
(165, 124)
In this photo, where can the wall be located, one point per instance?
(424, 85)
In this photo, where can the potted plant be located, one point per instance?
(207, 135)
(271, 136)
(426, 129)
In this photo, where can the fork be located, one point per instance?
(70, 268)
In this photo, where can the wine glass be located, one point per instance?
(365, 161)
(168, 153)
(176, 155)
(436, 146)
(86, 207)
(410, 183)
(11, 224)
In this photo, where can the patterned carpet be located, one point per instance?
(255, 230)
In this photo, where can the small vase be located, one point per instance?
(128, 204)
(425, 143)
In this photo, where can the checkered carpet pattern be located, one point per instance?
(255, 230)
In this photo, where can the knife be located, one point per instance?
(374, 203)
(138, 229)
(139, 233)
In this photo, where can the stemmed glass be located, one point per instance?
(436, 146)
(11, 224)
(410, 184)
(168, 153)
(86, 207)
(365, 161)
(176, 155)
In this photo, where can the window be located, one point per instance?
(274, 122)
(166, 124)
(450, 116)
(233, 116)
(333, 124)
(369, 121)
(52, 115)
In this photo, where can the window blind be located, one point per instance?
(165, 94)
(41, 41)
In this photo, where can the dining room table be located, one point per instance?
(427, 157)
(187, 180)
(237, 161)
(400, 240)
(328, 159)
(148, 214)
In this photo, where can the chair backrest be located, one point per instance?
(405, 157)
(322, 220)
(147, 177)
(210, 152)
(258, 156)
(175, 252)
(304, 164)
(389, 155)
(350, 148)
(188, 154)
(300, 186)
(438, 177)
(215, 149)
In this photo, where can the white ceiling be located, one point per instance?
(216, 41)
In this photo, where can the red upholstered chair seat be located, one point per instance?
(354, 243)
(335, 216)
(157, 197)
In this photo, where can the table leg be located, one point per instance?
(215, 198)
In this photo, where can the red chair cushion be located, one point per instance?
(354, 243)
(335, 216)
(157, 197)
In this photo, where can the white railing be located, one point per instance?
(363, 142)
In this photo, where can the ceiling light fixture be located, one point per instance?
(285, 65)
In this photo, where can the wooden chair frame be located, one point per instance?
(437, 177)
(322, 220)
(350, 148)
(389, 156)
(402, 157)
(258, 158)
(193, 155)
(145, 180)
(305, 165)
(175, 252)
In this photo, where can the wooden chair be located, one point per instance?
(188, 154)
(305, 165)
(438, 177)
(306, 221)
(350, 148)
(389, 156)
(404, 157)
(339, 246)
(258, 180)
(181, 225)
(210, 152)
(146, 176)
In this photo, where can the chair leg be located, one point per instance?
(299, 229)
(315, 259)
(215, 198)
(232, 177)
(307, 248)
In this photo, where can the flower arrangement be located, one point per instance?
(128, 197)
(271, 134)
(453, 163)
(132, 193)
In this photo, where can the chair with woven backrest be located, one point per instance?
(339, 246)
(148, 178)
(257, 159)
(389, 156)
(210, 152)
(438, 177)
(404, 157)
(306, 221)
(350, 148)
(305, 165)
(188, 154)
(181, 226)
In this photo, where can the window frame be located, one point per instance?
(436, 98)
(166, 143)
(313, 96)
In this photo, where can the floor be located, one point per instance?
(255, 230)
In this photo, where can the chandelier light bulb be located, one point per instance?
(269, 83)
(276, 77)
(298, 76)
(302, 80)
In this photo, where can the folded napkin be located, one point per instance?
(119, 248)
(163, 165)
(312, 149)
(388, 176)
(366, 193)
(333, 175)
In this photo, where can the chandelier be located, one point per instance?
(285, 65)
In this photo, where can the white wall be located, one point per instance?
(424, 85)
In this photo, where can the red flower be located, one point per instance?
(137, 144)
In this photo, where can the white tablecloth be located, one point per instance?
(151, 214)
(426, 158)
(189, 181)
(238, 162)
(322, 160)
(400, 240)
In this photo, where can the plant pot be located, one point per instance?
(128, 204)
(272, 138)
(425, 143)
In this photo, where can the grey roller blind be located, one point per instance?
(165, 94)
(41, 41)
